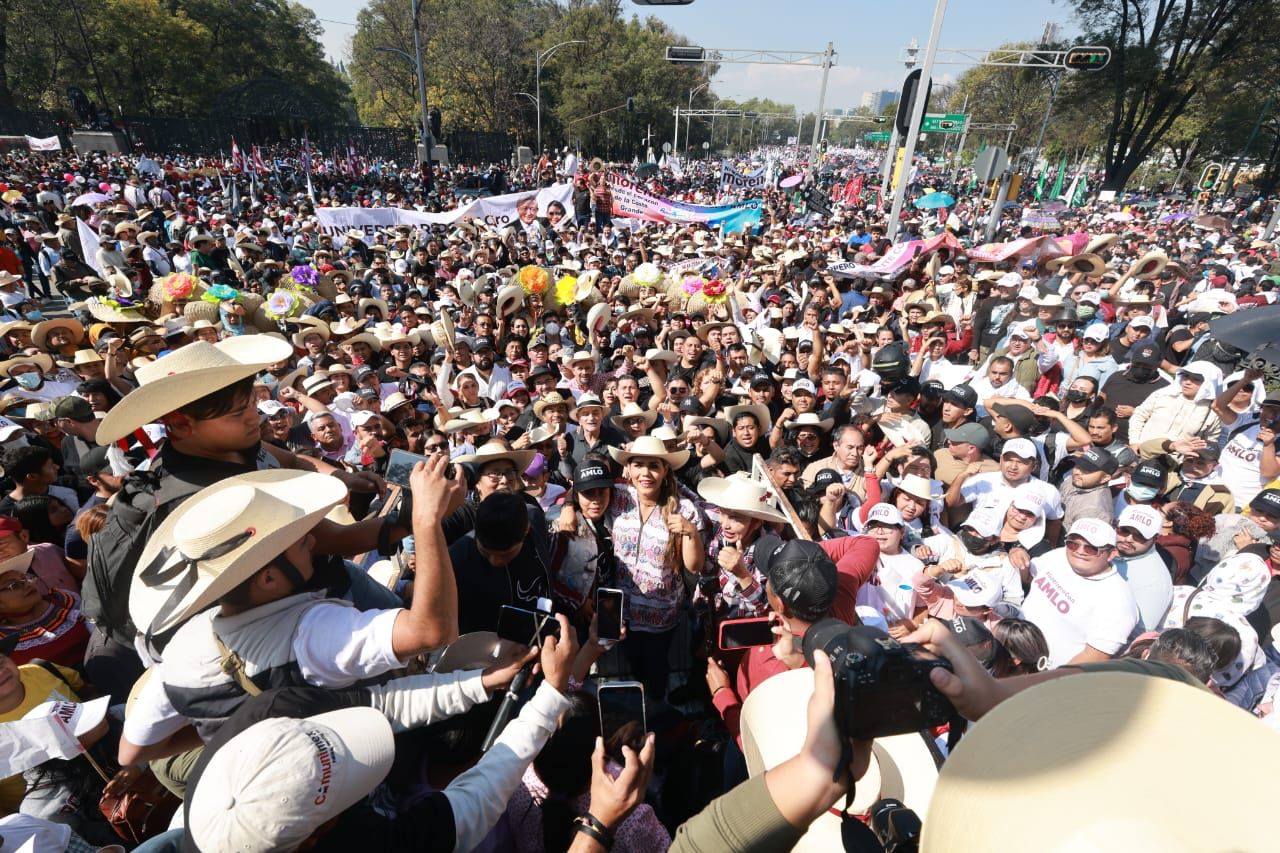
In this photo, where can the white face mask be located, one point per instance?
(553, 328)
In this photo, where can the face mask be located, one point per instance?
(1076, 396)
(974, 543)
(1140, 373)
(944, 290)
(35, 316)
(1084, 312)
(30, 381)
(1142, 494)
(553, 328)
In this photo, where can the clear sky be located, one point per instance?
(868, 38)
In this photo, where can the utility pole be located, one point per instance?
(822, 100)
(1186, 161)
(886, 168)
(427, 142)
(917, 116)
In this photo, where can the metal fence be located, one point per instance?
(479, 147)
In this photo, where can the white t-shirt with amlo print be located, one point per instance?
(1075, 611)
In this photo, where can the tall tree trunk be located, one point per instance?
(6, 96)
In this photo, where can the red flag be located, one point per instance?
(258, 165)
(237, 162)
(855, 190)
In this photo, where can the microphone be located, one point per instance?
(508, 707)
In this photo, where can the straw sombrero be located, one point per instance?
(552, 399)
(810, 419)
(40, 334)
(720, 425)
(742, 494)
(373, 302)
(1103, 748)
(509, 300)
(470, 419)
(773, 731)
(493, 452)
(763, 418)
(598, 317)
(1100, 242)
(308, 329)
(1149, 265)
(224, 534)
(442, 331)
(1087, 263)
(105, 313)
(632, 410)
(43, 361)
(650, 447)
(186, 375)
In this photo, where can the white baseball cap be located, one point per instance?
(1009, 279)
(976, 588)
(362, 417)
(1028, 292)
(1096, 332)
(804, 386)
(985, 521)
(268, 408)
(80, 718)
(270, 786)
(1095, 532)
(1142, 320)
(1146, 520)
(1020, 447)
(885, 514)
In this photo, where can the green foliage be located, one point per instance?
(160, 57)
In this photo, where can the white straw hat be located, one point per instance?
(184, 376)
(271, 786)
(222, 535)
(743, 494)
(650, 447)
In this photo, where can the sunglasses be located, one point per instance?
(436, 447)
(1082, 547)
(1130, 533)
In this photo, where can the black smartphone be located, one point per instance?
(519, 625)
(743, 633)
(622, 718)
(400, 466)
(609, 610)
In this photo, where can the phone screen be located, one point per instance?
(622, 719)
(400, 466)
(741, 633)
(609, 613)
(519, 625)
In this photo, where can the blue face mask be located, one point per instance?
(34, 316)
(30, 380)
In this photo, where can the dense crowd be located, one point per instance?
(645, 436)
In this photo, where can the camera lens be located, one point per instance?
(827, 635)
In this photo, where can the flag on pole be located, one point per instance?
(1081, 191)
(351, 159)
(258, 165)
(306, 166)
(1057, 182)
(1040, 184)
(237, 162)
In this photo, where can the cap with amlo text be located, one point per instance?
(803, 386)
(1096, 459)
(962, 396)
(1021, 448)
(1268, 501)
(591, 475)
(985, 521)
(826, 477)
(1148, 521)
(976, 588)
(1147, 355)
(1093, 531)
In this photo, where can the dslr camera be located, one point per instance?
(882, 686)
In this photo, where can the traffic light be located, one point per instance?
(1087, 58)
(879, 119)
(678, 53)
(906, 104)
(1210, 176)
(631, 105)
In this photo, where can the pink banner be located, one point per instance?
(898, 258)
(1038, 248)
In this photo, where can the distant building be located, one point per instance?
(877, 101)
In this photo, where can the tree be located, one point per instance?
(1163, 52)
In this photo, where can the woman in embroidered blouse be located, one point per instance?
(48, 626)
(657, 537)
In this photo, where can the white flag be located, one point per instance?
(29, 743)
(89, 245)
(49, 143)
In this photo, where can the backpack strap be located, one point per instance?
(233, 666)
(53, 670)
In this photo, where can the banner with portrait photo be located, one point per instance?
(551, 203)
(632, 202)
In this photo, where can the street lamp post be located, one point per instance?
(676, 144)
(537, 81)
(917, 116)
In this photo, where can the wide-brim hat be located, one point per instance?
(544, 432)
(906, 431)
(6, 328)
(43, 361)
(707, 328)
(40, 334)
(1100, 242)
(300, 336)
(720, 425)
(551, 399)
(443, 332)
(477, 650)
(810, 419)
(586, 401)
(374, 342)
(637, 316)
(105, 313)
(632, 410)
(916, 486)
(773, 731)
(493, 452)
(1097, 746)
(510, 298)
(469, 419)
(763, 416)
(1087, 263)
(666, 355)
(388, 335)
(598, 317)
(650, 447)
(1149, 265)
(186, 375)
(742, 494)
(224, 534)
(373, 302)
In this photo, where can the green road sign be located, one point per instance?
(876, 136)
(938, 123)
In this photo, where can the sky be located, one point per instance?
(868, 38)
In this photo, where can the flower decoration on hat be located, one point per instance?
(282, 304)
(179, 286)
(220, 293)
(692, 284)
(304, 276)
(533, 280)
(715, 291)
(564, 289)
(647, 275)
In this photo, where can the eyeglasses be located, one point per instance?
(498, 476)
(437, 447)
(1082, 547)
(15, 585)
(1191, 377)
(1130, 533)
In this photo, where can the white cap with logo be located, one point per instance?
(1095, 532)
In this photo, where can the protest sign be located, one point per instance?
(731, 180)
(498, 211)
(47, 143)
(632, 202)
